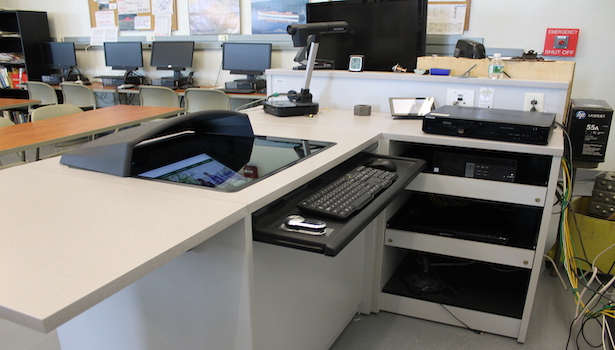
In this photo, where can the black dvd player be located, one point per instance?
(490, 124)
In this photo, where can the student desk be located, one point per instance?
(100, 88)
(11, 103)
(19, 137)
(126, 263)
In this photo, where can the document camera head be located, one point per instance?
(301, 32)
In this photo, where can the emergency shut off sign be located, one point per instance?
(561, 42)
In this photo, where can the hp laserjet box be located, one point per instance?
(588, 124)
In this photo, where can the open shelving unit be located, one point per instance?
(467, 250)
(21, 35)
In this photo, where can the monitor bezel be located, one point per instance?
(48, 54)
(249, 72)
(107, 45)
(157, 45)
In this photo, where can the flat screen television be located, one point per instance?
(172, 55)
(124, 55)
(386, 33)
(59, 55)
(251, 59)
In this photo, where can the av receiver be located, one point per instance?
(491, 124)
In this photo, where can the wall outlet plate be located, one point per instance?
(538, 99)
(458, 97)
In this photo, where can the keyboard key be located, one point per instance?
(349, 194)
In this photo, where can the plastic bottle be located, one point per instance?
(496, 67)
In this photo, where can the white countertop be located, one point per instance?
(69, 241)
(71, 238)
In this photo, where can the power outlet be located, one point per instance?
(457, 97)
(222, 37)
(534, 102)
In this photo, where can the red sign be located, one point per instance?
(561, 42)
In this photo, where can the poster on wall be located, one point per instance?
(128, 15)
(214, 17)
(448, 19)
(273, 16)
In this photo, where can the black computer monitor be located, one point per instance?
(59, 55)
(249, 59)
(172, 55)
(126, 56)
(123, 55)
(175, 56)
(386, 33)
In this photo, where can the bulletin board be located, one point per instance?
(467, 3)
(143, 18)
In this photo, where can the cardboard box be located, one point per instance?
(588, 124)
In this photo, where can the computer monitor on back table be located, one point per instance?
(250, 59)
(62, 56)
(126, 56)
(175, 56)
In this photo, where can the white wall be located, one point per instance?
(502, 23)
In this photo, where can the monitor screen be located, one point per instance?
(246, 58)
(172, 55)
(226, 163)
(125, 55)
(201, 170)
(59, 55)
(399, 39)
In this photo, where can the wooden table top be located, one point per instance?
(9, 103)
(28, 135)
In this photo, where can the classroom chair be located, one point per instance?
(205, 99)
(42, 92)
(78, 95)
(158, 96)
(53, 111)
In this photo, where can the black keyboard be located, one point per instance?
(349, 194)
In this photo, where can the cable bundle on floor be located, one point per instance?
(599, 305)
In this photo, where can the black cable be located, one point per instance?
(595, 291)
(569, 142)
(559, 194)
(582, 333)
(570, 331)
(611, 268)
(457, 293)
(460, 321)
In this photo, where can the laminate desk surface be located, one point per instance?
(10, 103)
(63, 261)
(24, 136)
(71, 238)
